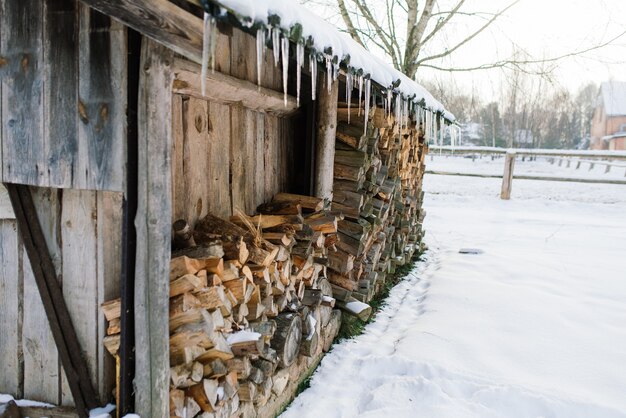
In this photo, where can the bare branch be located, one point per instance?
(348, 21)
(443, 22)
(469, 38)
(384, 37)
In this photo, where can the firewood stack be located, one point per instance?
(378, 187)
(250, 307)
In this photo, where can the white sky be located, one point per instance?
(549, 28)
(543, 28)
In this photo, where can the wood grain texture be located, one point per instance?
(239, 159)
(41, 360)
(11, 310)
(101, 108)
(179, 211)
(60, 72)
(80, 276)
(219, 157)
(21, 26)
(153, 231)
(259, 168)
(109, 255)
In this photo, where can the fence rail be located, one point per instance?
(615, 155)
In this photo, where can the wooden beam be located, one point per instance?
(160, 20)
(325, 141)
(225, 89)
(58, 316)
(154, 212)
(507, 177)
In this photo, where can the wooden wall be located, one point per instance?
(62, 95)
(83, 230)
(227, 156)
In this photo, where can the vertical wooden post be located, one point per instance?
(325, 144)
(507, 177)
(154, 213)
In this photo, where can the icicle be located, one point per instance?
(260, 49)
(389, 97)
(313, 68)
(285, 48)
(276, 44)
(398, 110)
(349, 86)
(299, 63)
(329, 72)
(206, 40)
(367, 103)
(335, 71)
(360, 91)
(213, 43)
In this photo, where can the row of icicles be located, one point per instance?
(434, 130)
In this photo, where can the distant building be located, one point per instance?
(608, 126)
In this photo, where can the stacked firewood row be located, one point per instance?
(250, 307)
(378, 186)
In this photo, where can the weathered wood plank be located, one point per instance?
(195, 200)
(11, 310)
(6, 211)
(153, 231)
(101, 109)
(227, 89)
(271, 156)
(109, 233)
(239, 159)
(325, 140)
(41, 360)
(259, 168)
(60, 87)
(218, 160)
(80, 276)
(251, 161)
(178, 161)
(21, 25)
(160, 20)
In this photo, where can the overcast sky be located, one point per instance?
(543, 28)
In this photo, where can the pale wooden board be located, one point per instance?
(250, 167)
(22, 92)
(6, 210)
(222, 53)
(11, 309)
(259, 154)
(101, 116)
(60, 72)
(271, 156)
(194, 197)
(178, 162)
(80, 276)
(153, 231)
(41, 360)
(109, 233)
(218, 160)
(239, 161)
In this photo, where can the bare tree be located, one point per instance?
(378, 22)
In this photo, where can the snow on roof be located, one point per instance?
(614, 97)
(324, 35)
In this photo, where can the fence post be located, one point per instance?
(507, 177)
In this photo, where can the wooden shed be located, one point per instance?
(119, 117)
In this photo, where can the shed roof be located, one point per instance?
(328, 41)
(613, 97)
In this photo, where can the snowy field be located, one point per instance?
(535, 326)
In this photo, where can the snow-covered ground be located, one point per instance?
(535, 326)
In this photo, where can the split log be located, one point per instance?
(307, 203)
(353, 307)
(286, 339)
(183, 235)
(205, 394)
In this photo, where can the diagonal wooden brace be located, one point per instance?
(52, 297)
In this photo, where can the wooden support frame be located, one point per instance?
(507, 177)
(154, 211)
(325, 141)
(58, 316)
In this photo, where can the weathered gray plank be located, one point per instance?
(109, 232)
(239, 160)
(80, 276)
(271, 156)
(153, 231)
(60, 73)
(195, 198)
(11, 310)
(218, 158)
(259, 167)
(41, 360)
(6, 211)
(21, 23)
(101, 105)
(178, 162)
(250, 160)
